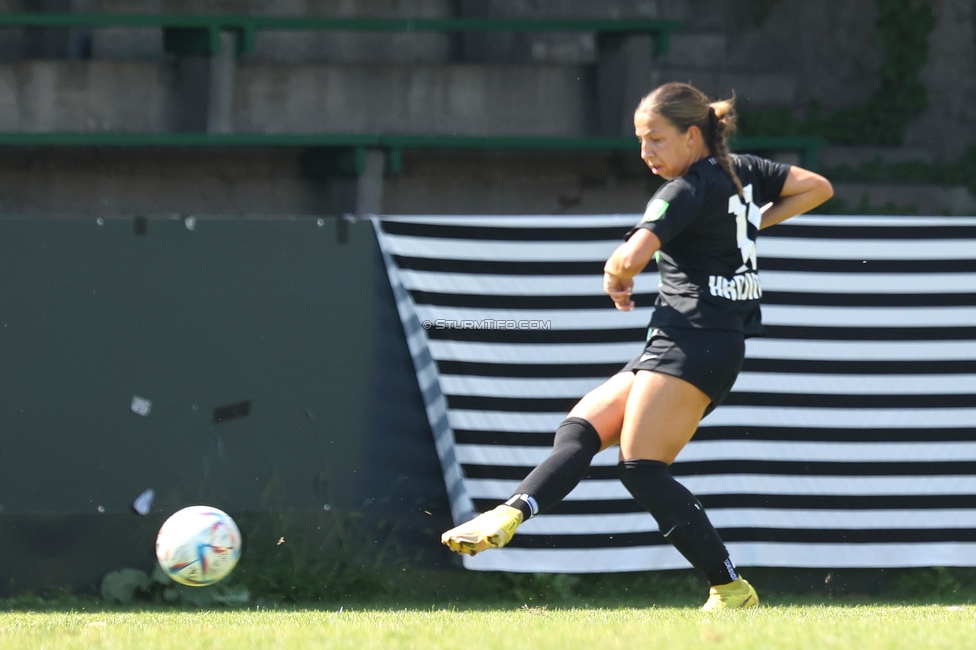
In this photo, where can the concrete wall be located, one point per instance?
(146, 97)
(794, 53)
(85, 183)
(799, 52)
(88, 185)
(498, 183)
(449, 100)
(109, 182)
(948, 125)
(289, 46)
(88, 96)
(532, 84)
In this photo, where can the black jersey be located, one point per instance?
(707, 260)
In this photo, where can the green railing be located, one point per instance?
(806, 146)
(201, 34)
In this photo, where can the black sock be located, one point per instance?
(680, 517)
(575, 445)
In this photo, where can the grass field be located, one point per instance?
(863, 627)
(313, 598)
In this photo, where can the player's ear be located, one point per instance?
(692, 136)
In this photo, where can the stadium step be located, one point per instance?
(926, 199)
(839, 156)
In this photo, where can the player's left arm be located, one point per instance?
(625, 263)
(802, 191)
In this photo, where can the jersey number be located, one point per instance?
(745, 213)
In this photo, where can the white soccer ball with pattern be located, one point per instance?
(198, 546)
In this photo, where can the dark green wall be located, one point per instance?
(290, 315)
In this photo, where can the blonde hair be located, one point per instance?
(684, 106)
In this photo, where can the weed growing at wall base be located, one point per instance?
(903, 29)
(961, 171)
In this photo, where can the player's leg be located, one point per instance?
(662, 415)
(592, 425)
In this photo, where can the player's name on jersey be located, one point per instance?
(744, 286)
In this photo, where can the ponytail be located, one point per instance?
(721, 125)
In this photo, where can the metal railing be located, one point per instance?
(207, 28)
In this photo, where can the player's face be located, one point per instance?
(668, 152)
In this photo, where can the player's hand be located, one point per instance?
(620, 290)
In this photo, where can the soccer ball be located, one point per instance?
(198, 546)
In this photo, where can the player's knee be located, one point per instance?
(650, 483)
(639, 476)
(579, 435)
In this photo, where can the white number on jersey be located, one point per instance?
(745, 213)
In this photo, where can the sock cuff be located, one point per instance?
(722, 573)
(524, 502)
(643, 466)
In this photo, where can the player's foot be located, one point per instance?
(492, 529)
(738, 594)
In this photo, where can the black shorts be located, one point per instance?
(710, 360)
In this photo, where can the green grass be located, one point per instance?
(820, 627)
(323, 590)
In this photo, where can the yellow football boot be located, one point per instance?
(738, 594)
(492, 529)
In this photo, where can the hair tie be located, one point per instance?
(714, 122)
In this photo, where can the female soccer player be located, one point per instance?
(702, 224)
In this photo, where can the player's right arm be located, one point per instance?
(627, 261)
(672, 208)
(803, 190)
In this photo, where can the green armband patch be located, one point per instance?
(655, 210)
